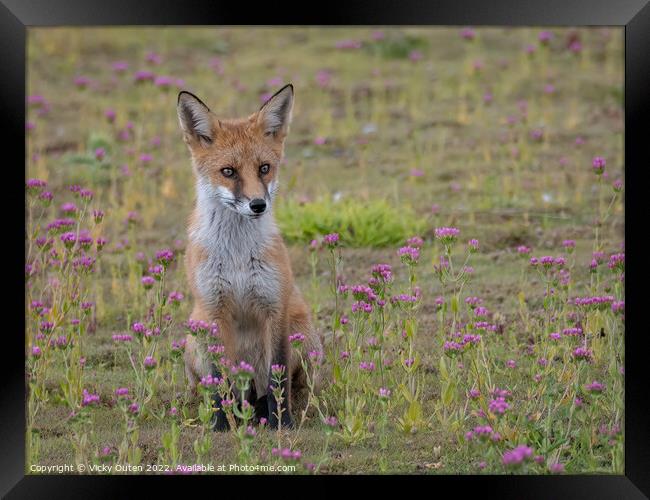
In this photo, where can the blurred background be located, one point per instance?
(487, 125)
(396, 131)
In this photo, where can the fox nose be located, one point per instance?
(257, 205)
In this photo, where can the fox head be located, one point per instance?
(237, 161)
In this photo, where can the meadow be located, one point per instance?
(452, 199)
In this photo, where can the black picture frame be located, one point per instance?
(634, 15)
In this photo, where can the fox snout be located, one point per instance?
(248, 206)
(252, 206)
(257, 206)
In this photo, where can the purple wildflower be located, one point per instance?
(89, 399)
(468, 34)
(68, 239)
(367, 366)
(331, 240)
(150, 362)
(69, 208)
(498, 406)
(348, 44)
(323, 78)
(409, 255)
(144, 76)
(35, 185)
(165, 257)
(517, 455)
(617, 262)
(81, 82)
(447, 235)
(523, 250)
(582, 353)
(545, 37)
(598, 164)
(148, 282)
(595, 387)
(120, 66)
(277, 370)
(296, 338)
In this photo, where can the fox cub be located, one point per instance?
(237, 264)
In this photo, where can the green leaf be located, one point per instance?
(337, 373)
(454, 304)
(443, 368)
(449, 393)
(409, 328)
(522, 299)
(415, 411)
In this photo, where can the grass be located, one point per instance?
(374, 223)
(390, 140)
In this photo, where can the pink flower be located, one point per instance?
(517, 455)
(598, 164)
(323, 78)
(348, 44)
(415, 55)
(468, 34)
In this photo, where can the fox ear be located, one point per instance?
(194, 117)
(275, 115)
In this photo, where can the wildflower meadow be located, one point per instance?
(452, 200)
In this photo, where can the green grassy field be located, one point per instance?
(395, 132)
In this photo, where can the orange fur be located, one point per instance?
(243, 145)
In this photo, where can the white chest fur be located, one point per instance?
(235, 268)
(235, 272)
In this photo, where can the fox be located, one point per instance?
(237, 264)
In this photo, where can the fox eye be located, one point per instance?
(264, 169)
(227, 172)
